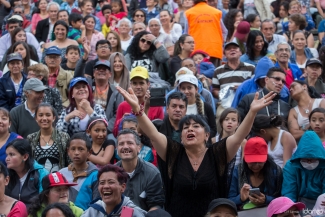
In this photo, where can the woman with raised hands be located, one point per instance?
(194, 169)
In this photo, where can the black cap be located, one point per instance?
(222, 201)
(230, 43)
(14, 56)
(313, 61)
(158, 212)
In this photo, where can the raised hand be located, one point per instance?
(258, 104)
(130, 97)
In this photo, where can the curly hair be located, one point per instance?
(251, 44)
(134, 49)
(229, 22)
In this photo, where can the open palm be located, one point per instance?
(258, 104)
(130, 97)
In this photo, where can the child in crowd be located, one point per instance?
(102, 149)
(81, 171)
(228, 123)
(130, 122)
(75, 22)
(283, 13)
(202, 61)
(295, 8)
(106, 11)
(118, 13)
(72, 55)
(317, 123)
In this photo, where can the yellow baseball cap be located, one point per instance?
(139, 71)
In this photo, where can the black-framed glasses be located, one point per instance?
(139, 15)
(279, 79)
(145, 41)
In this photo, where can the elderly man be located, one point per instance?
(124, 27)
(5, 41)
(274, 81)
(11, 84)
(145, 187)
(268, 30)
(205, 25)
(292, 71)
(58, 78)
(23, 116)
(44, 27)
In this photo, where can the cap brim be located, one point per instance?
(285, 207)
(139, 76)
(255, 158)
(223, 203)
(38, 89)
(64, 184)
(321, 65)
(102, 65)
(58, 54)
(231, 43)
(14, 59)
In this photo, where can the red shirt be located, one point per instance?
(289, 78)
(52, 79)
(124, 107)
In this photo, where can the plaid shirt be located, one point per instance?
(72, 126)
(67, 7)
(52, 79)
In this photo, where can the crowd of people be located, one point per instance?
(162, 108)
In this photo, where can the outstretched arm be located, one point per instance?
(233, 142)
(158, 140)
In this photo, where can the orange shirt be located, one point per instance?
(204, 26)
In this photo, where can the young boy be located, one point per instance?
(81, 171)
(72, 55)
(203, 64)
(75, 22)
(106, 11)
(295, 8)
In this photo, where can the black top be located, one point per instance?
(65, 67)
(105, 144)
(189, 192)
(175, 64)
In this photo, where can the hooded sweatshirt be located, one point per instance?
(98, 208)
(299, 182)
(251, 85)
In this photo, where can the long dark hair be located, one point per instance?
(65, 209)
(265, 122)
(177, 46)
(144, 13)
(22, 146)
(229, 21)
(15, 32)
(26, 60)
(251, 44)
(61, 22)
(311, 90)
(38, 201)
(267, 171)
(134, 49)
(322, 59)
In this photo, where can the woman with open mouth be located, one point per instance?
(194, 172)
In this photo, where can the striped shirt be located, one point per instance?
(224, 75)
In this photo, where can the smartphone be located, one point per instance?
(126, 212)
(254, 191)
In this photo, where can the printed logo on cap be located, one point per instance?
(56, 178)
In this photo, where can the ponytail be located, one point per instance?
(266, 122)
(199, 104)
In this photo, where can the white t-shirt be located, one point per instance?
(191, 109)
(125, 44)
(23, 179)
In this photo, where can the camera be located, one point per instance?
(157, 96)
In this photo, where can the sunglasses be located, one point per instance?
(278, 79)
(145, 41)
(139, 15)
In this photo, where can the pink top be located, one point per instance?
(113, 22)
(101, 17)
(94, 38)
(289, 78)
(322, 3)
(35, 19)
(19, 210)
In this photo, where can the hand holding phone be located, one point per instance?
(254, 191)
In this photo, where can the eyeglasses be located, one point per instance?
(18, 12)
(103, 47)
(189, 42)
(139, 15)
(145, 41)
(278, 79)
(281, 50)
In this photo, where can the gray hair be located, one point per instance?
(137, 139)
(283, 43)
(154, 19)
(124, 20)
(141, 23)
(268, 21)
(52, 3)
(19, 6)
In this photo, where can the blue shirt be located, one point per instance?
(3, 148)
(66, 6)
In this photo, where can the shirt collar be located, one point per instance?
(32, 114)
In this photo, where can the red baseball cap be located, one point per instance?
(55, 179)
(243, 29)
(255, 150)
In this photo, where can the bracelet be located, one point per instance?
(140, 112)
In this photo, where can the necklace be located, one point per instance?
(196, 163)
(307, 110)
(47, 143)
